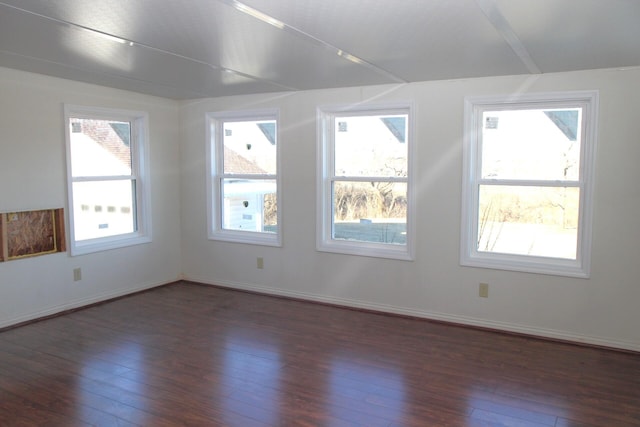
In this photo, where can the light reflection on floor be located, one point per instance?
(251, 370)
(100, 377)
(502, 409)
(353, 381)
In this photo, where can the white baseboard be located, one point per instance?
(78, 304)
(431, 315)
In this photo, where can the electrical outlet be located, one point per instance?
(483, 290)
(77, 274)
(260, 263)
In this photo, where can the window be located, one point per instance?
(242, 164)
(365, 193)
(528, 176)
(107, 177)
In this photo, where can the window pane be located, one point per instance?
(103, 208)
(249, 205)
(250, 147)
(371, 146)
(370, 212)
(100, 147)
(538, 221)
(531, 144)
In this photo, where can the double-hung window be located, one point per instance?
(364, 184)
(243, 180)
(108, 179)
(528, 177)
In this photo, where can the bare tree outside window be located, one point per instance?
(539, 216)
(365, 181)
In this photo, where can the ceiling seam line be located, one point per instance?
(241, 7)
(102, 73)
(502, 26)
(143, 45)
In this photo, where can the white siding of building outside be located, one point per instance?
(109, 210)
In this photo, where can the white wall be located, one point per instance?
(33, 176)
(600, 310)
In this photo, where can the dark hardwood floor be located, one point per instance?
(187, 354)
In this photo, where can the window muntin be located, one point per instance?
(364, 187)
(243, 187)
(108, 183)
(528, 180)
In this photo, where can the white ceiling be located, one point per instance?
(186, 49)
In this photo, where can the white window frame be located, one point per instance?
(139, 173)
(472, 155)
(325, 171)
(216, 175)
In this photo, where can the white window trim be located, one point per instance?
(325, 154)
(469, 256)
(214, 155)
(140, 170)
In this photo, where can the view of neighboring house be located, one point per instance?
(249, 151)
(102, 189)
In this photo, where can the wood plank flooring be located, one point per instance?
(187, 354)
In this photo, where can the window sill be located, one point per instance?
(397, 252)
(536, 265)
(246, 237)
(99, 245)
